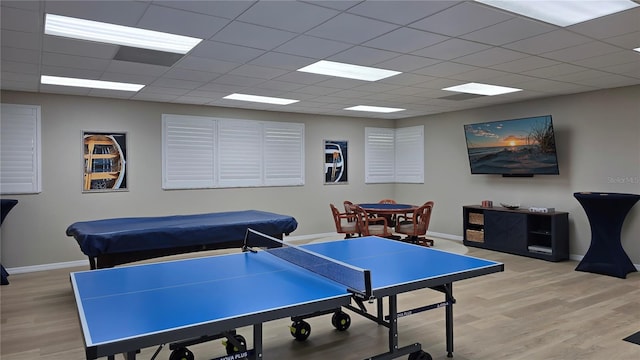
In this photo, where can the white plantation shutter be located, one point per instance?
(394, 155)
(283, 154)
(240, 146)
(188, 152)
(20, 149)
(409, 154)
(206, 152)
(379, 155)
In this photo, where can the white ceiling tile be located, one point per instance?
(191, 75)
(407, 63)
(135, 68)
(20, 40)
(400, 12)
(73, 61)
(20, 20)
(261, 72)
(21, 55)
(451, 49)
(225, 9)
(312, 46)
(161, 90)
(282, 61)
(277, 85)
(491, 57)
(444, 69)
(238, 80)
(115, 12)
(181, 22)
(72, 72)
(628, 41)
(554, 40)
(351, 29)
(525, 64)
(405, 40)
(611, 59)
(293, 16)
(225, 52)
(554, 71)
(254, 36)
(583, 51)
(508, 31)
(609, 26)
(203, 64)
(178, 84)
(461, 19)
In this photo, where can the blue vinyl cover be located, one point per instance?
(143, 233)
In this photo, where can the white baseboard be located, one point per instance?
(45, 267)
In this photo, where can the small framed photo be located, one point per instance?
(335, 161)
(104, 161)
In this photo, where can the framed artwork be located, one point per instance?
(335, 161)
(104, 161)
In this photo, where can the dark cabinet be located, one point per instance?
(522, 232)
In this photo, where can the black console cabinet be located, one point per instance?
(521, 232)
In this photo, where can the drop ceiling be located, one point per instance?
(256, 47)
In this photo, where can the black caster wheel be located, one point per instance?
(300, 330)
(420, 355)
(232, 349)
(181, 354)
(341, 320)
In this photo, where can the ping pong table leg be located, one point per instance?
(449, 317)
(257, 340)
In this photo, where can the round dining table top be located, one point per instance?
(379, 208)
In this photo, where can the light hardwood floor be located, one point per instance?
(533, 310)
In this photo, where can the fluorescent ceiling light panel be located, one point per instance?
(332, 68)
(378, 109)
(117, 34)
(260, 99)
(562, 12)
(482, 89)
(637, 49)
(86, 83)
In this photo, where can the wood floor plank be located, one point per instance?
(533, 310)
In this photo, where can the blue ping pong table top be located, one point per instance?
(160, 301)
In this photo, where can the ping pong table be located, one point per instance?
(124, 309)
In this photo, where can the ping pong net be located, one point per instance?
(357, 280)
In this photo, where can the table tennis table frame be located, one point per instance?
(198, 333)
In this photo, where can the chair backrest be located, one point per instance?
(367, 227)
(387, 201)
(425, 214)
(336, 217)
(348, 209)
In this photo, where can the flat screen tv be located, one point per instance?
(517, 147)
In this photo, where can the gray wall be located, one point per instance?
(598, 137)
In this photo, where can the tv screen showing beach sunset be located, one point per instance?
(512, 147)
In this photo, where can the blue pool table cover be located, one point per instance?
(123, 235)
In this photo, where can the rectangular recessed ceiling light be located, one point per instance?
(260, 99)
(637, 49)
(117, 34)
(562, 13)
(482, 89)
(86, 83)
(331, 68)
(374, 109)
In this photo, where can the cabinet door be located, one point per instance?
(505, 231)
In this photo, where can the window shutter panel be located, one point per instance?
(409, 154)
(188, 152)
(240, 147)
(379, 155)
(283, 154)
(20, 154)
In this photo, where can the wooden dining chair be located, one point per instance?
(416, 224)
(372, 225)
(346, 223)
